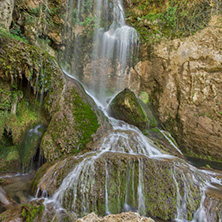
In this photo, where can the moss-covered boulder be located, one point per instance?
(51, 99)
(75, 118)
(114, 182)
(9, 158)
(126, 107)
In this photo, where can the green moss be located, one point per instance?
(125, 106)
(13, 35)
(85, 118)
(144, 97)
(9, 158)
(30, 212)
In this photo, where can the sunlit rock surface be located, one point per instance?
(183, 80)
(6, 9)
(130, 216)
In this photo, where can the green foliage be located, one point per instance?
(30, 212)
(182, 18)
(171, 19)
(15, 34)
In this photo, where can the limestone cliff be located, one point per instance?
(6, 9)
(184, 79)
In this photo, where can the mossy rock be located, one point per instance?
(75, 118)
(159, 179)
(32, 210)
(30, 144)
(144, 97)
(73, 115)
(126, 107)
(9, 159)
(23, 66)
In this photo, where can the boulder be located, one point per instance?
(126, 107)
(115, 182)
(75, 117)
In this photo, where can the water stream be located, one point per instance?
(101, 60)
(113, 178)
(126, 172)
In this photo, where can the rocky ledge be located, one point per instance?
(129, 216)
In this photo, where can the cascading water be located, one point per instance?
(126, 171)
(114, 178)
(101, 59)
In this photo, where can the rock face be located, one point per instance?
(4, 198)
(130, 216)
(184, 80)
(62, 102)
(6, 9)
(40, 23)
(73, 120)
(125, 106)
(19, 64)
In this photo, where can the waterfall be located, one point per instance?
(113, 179)
(121, 172)
(111, 47)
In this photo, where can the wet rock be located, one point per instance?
(183, 81)
(120, 177)
(125, 106)
(130, 216)
(72, 115)
(49, 178)
(5, 200)
(74, 119)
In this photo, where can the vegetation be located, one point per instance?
(15, 34)
(30, 212)
(155, 20)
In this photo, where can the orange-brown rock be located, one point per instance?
(184, 80)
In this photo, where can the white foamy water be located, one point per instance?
(113, 46)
